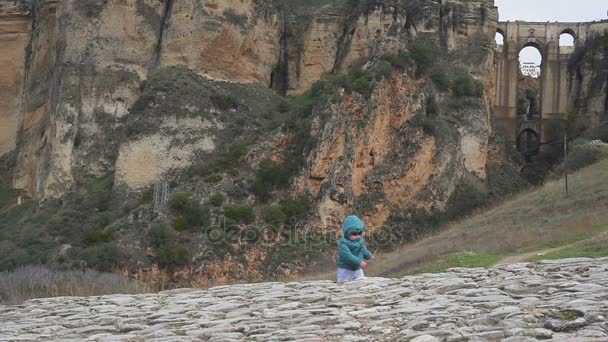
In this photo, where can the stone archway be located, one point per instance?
(528, 142)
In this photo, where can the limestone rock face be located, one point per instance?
(229, 40)
(87, 61)
(15, 29)
(588, 70)
(562, 300)
(85, 67)
(333, 42)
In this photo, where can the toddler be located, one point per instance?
(352, 254)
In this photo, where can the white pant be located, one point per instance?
(345, 275)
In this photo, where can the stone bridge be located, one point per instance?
(556, 95)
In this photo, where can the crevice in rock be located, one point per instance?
(164, 24)
(344, 42)
(279, 78)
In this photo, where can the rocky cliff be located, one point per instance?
(588, 71)
(389, 116)
(86, 60)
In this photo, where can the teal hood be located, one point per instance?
(352, 224)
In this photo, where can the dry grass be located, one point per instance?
(39, 282)
(522, 223)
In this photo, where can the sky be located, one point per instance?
(550, 10)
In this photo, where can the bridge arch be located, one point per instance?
(567, 37)
(500, 37)
(528, 142)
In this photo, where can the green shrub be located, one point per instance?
(362, 86)
(225, 102)
(105, 257)
(465, 85)
(99, 236)
(160, 235)
(580, 157)
(440, 79)
(180, 224)
(382, 70)
(179, 201)
(192, 212)
(217, 200)
(269, 176)
(432, 108)
(197, 215)
(597, 133)
(224, 162)
(295, 210)
(275, 216)
(96, 195)
(464, 200)
(242, 214)
(171, 257)
(422, 54)
(401, 61)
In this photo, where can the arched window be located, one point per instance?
(566, 38)
(530, 61)
(500, 38)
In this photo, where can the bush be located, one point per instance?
(180, 224)
(401, 61)
(580, 157)
(432, 108)
(217, 200)
(242, 214)
(160, 235)
(465, 85)
(105, 257)
(197, 215)
(269, 176)
(99, 236)
(382, 70)
(440, 79)
(275, 216)
(422, 54)
(225, 102)
(295, 210)
(464, 200)
(179, 201)
(192, 212)
(362, 86)
(171, 257)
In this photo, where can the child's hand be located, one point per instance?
(373, 259)
(363, 264)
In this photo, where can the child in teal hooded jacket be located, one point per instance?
(352, 254)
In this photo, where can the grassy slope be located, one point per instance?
(540, 219)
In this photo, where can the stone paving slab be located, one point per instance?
(564, 300)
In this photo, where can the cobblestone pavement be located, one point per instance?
(563, 300)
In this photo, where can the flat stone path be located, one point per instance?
(563, 300)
